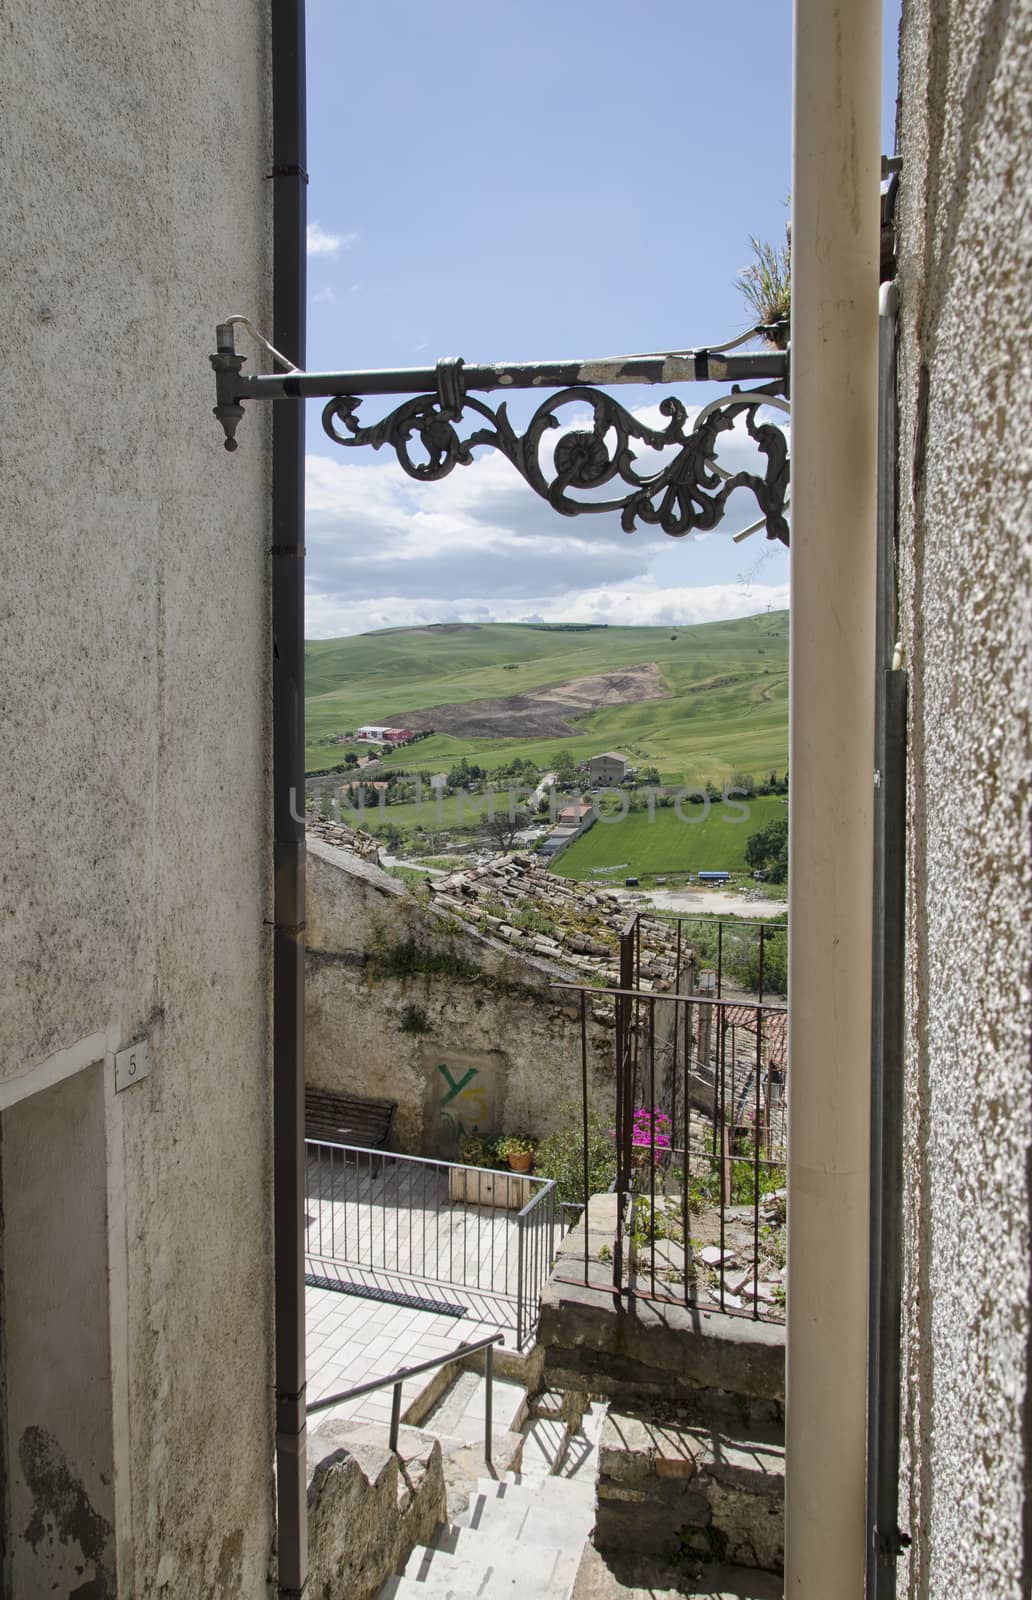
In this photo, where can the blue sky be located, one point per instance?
(524, 182)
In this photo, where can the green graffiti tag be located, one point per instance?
(456, 1088)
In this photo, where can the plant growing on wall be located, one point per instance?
(650, 1130)
(766, 285)
(414, 1020)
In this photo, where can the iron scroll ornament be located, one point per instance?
(684, 494)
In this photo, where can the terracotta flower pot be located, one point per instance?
(520, 1160)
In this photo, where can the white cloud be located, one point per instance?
(636, 603)
(323, 243)
(388, 551)
(324, 297)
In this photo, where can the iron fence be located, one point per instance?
(385, 1224)
(699, 1132)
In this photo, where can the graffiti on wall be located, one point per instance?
(466, 1090)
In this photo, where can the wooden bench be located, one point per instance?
(348, 1119)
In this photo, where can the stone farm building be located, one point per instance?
(609, 768)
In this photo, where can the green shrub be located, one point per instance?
(561, 1156)
(531, 920)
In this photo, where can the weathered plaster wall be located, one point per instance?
(59, 1422)
(133, 685)
(496, 1049)
(966, 375)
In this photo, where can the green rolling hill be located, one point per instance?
(725, 685)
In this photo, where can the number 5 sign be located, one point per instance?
(131, 1065)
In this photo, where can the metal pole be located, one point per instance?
(691, 368)
(395, 1416)
(488, 1401)
(835, 254)
(584, 1119)
(519, 1281)
(288, 632)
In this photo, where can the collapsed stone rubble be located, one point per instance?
(515, 898)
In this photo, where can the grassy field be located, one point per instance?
(727, 711)
(712, 841)
(452, 812)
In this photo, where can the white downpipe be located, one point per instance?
(835, 246)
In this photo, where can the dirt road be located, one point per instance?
(690, 902)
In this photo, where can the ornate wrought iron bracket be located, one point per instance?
(685, 491)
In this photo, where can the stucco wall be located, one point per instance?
(495, 1048)
(133, 684)
(965, 380)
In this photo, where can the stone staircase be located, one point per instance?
(518, 1535)
(566, 1469)
(525, 1529)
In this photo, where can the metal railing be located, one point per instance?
(378, 1220)
(535, 1253)
(394, 1381)
(698, 1121)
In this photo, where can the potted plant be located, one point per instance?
(475, 1150)
(518, 1150)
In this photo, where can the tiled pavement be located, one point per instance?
(393, 1213)
(381, 1212)
(353, 1340)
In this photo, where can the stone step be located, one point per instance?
(543, 1518)
(544, 1445)
(462, 1409)
(580, 1458)
(494, 1587)
(516, 1488)
(520, 1535)
(549, 1403)
(484, 1565)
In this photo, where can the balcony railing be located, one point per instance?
(387, 1224)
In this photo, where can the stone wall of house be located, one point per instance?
(409, 1002)
(134, 795)
(965, 230)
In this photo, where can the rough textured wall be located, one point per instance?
(133, 786)
(59, 1491)
(966, 375)
(491, 1047)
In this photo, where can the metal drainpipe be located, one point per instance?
(884, 1538)
(835, 254)
(289, 179)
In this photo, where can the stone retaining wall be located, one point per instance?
(718, 1368)
(673, 1491)
(368, 1508)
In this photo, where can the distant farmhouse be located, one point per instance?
(572, 821)
(609, 768)
(375, 733)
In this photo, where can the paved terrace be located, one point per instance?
(385, 1226)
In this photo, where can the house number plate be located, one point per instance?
(131, 1065)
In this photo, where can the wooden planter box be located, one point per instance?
(476, 1186)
